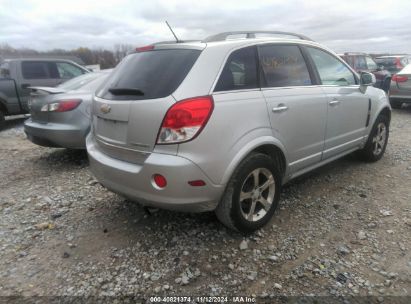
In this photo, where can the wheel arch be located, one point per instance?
(386, 111)
(266, 145)
(383, 108)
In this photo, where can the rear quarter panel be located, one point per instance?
(238, 123)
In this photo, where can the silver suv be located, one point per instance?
(221, 124)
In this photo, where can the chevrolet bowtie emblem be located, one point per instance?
(105, 108)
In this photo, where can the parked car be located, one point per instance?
(60, 117)
(393, 63)
(16, 75)
(362, 62)
(400, 89)
(221, 124)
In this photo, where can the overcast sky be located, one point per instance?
(346, 25)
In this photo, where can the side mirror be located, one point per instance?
(381, 68)
(367, 79)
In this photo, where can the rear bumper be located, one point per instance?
(55, 135)
(404, 95)
(135, 181)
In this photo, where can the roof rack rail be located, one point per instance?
(251, 34)
(173, 42)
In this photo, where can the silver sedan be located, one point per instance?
(60, 117)
(400, 88)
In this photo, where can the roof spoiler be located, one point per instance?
(46, 90)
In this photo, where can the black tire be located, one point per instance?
(386, 84)
(2, 120)
(373, 151)
(395, 104)
(230, 210)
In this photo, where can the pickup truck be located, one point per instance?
(18, 75)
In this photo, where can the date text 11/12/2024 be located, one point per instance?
(203, 299)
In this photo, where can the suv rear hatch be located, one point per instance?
(129, 108)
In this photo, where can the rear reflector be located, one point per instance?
(159, 180)
(145, 48)
(197, 183)
(185, 120)
(61, 106)
(399, 78)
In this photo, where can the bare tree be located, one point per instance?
(121, 50)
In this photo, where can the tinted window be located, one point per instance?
(68, 71)
(155, 73)
(389, 64)
(331, 70)
(239, 72)
(35, 70)
(283, 66)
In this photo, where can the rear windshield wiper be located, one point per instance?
(126, 91)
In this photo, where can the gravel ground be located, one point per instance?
(341, 230)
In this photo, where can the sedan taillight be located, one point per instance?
(398, 63)
(61, 106)
(185, 120)
(399, 78)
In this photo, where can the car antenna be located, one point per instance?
(172, 32)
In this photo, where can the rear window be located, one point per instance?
(388, 63)
(385, 61)
(81, 81)
(155, 74)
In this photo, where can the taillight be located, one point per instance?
(185, 120)
(399, 78)
(61, 106)
(398, 63)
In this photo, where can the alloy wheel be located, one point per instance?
(257, 194)
(379, 139)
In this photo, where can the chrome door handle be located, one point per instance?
(280, 108)
(334, 102)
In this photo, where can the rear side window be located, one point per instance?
(154, 74)
(239, 72)
(331, 70)
(34, 70)
(283, 66)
